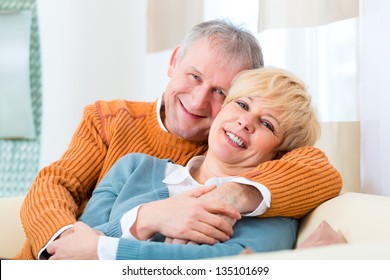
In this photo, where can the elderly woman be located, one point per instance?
(267, 113)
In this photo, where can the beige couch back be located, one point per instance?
(341, 143)
(358, 217)
(12, 234)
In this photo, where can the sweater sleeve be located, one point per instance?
(259, 235)
(59, 189)
(300, 181)
(123, 188)
(97, 213)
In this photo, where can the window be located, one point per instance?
(325, 57)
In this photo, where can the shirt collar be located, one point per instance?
(183, 175)
(158, 109)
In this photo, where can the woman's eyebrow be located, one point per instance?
(268, 114)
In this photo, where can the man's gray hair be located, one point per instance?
(237, 43)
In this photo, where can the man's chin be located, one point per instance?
(191, 135)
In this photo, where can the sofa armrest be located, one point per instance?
(11, 235)
(358, 217)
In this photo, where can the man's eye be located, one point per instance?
(220, 92)
(196, 77)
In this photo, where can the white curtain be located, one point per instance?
(170, 20)
(304, 13)
(317, 40)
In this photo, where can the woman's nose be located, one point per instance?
(247, 123)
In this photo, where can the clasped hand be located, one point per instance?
(197, 216)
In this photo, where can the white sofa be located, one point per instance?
(11, 234)
(362, 219)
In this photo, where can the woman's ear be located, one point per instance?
(173, 61)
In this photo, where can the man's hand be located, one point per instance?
(244, 198)
(81, 244)
(66, 233)
(186, 217)
(178, 241)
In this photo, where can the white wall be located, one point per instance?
(91, 50)
(375, 96)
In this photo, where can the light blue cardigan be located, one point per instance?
(136, 179)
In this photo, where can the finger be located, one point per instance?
(200, 238)
(179, 241)
(51, 249)
(223, 209)
(204, 233)
(201, 191)
(213, 225)
(246, 251)
(212, 234)
(168, 240)
(66, 232)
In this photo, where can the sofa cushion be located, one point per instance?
(12, 235)
(321, 236)
(358, 217)
(16, 112)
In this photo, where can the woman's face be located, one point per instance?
(244, 133)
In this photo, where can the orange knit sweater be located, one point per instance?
(298, 182)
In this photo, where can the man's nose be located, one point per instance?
(201, 98)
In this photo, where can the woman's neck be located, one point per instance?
(213, 169)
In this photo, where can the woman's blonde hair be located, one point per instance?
(286, 93)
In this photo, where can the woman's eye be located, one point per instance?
(242, 105)
(268, 125)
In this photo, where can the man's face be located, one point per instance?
(194, 95)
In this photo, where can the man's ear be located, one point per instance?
(173, 60)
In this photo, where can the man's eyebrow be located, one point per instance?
(194, 69)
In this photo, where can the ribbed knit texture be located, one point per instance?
(110, 130)
(299, 182)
